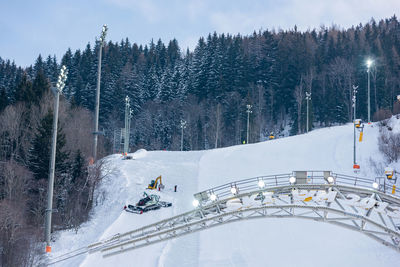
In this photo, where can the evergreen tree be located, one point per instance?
(24, 91)
(3, 99)
(40, 85)
(39, 154)
(39, 65)
(78, 172)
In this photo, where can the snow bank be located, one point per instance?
(264, 242)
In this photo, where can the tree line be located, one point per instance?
(25, 143)
(211, 86)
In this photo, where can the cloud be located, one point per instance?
(303, 13)
(195, 9)
(148, 9)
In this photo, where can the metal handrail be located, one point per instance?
(313, 177)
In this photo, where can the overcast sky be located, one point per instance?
(29, 28)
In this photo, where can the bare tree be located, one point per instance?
(12, 131)
(340, 75)
(14, 177)
(16, 237)
(77, 132)
(389, 145)
(96, 173)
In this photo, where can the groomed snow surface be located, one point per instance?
(261, 242)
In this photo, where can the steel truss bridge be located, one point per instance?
(369, 206)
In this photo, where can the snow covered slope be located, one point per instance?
(263, 242)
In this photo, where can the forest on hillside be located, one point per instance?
(208, 87)
(211, 86)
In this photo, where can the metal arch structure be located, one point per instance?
(346, 201)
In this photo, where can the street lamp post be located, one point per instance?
(308, 98)
(183, 126)
(128, 116)
(369, 63)
(96, 120)
(354, 99)
(248, 121)
(59, 87)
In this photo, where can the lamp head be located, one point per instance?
(369, 62)
(196, 203)
(375, 185)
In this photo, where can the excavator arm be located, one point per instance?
(155, 184)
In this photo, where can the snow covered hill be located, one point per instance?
(264, 242)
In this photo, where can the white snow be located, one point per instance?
(262, 242)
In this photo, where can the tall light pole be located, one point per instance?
(354, 99)
(96, 119)
(128, 116)
(308, 98)
(369, 63)
(183, 126)
(248, 121)
(59, 87)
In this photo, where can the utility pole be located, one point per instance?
(217, 123)
(96, 119)
(308, 98)
(128, 116)
(57, 91)
(248, 120)
(369, 63)
(354, 99)
(183, 126)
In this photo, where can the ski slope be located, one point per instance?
(263, 242)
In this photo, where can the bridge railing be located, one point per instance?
(301, 177)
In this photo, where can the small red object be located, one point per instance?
(125, 207)
(48, 249)
(356, 166)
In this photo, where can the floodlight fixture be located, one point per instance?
(196, 203)
(369, 62)
(261, 183)
(213, 197)
(330, 180)
(292, 180)
(234, 190)
(375, 185)
(103, 33)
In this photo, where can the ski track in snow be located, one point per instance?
(259, 242)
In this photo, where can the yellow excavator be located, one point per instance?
(154, 183)
(271, 136)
